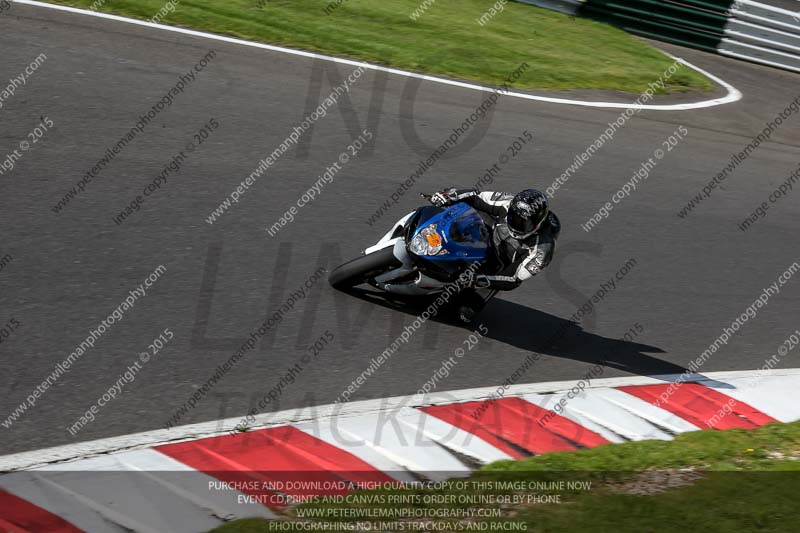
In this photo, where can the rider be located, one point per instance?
(524, 233)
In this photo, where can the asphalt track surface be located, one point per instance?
(692, 277)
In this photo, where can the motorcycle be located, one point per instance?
(422, 253)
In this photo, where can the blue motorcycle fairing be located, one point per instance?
(463, 232)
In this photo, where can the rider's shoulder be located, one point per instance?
(548, 234)
(499, 196)
(553, 221)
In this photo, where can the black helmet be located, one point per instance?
(527, 213)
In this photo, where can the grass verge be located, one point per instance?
(446, 39)
(702, 481)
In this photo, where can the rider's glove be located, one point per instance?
(444, 198)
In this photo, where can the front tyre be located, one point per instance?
(363, 269)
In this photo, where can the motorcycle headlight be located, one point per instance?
(427, 242)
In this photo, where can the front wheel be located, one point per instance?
(364, 268)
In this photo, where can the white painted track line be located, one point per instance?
(326, 413)
(405, 448)
(733, 94)
(591, 410)
(773, 395)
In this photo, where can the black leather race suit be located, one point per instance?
(513, 260)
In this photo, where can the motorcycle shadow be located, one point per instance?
(539, 332)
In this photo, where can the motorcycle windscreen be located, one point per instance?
(467, 235)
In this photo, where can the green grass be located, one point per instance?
(711, 450)
(563, 52)
(731, 481)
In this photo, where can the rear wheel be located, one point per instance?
(364, 268)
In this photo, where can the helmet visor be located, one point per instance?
(522, 226)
